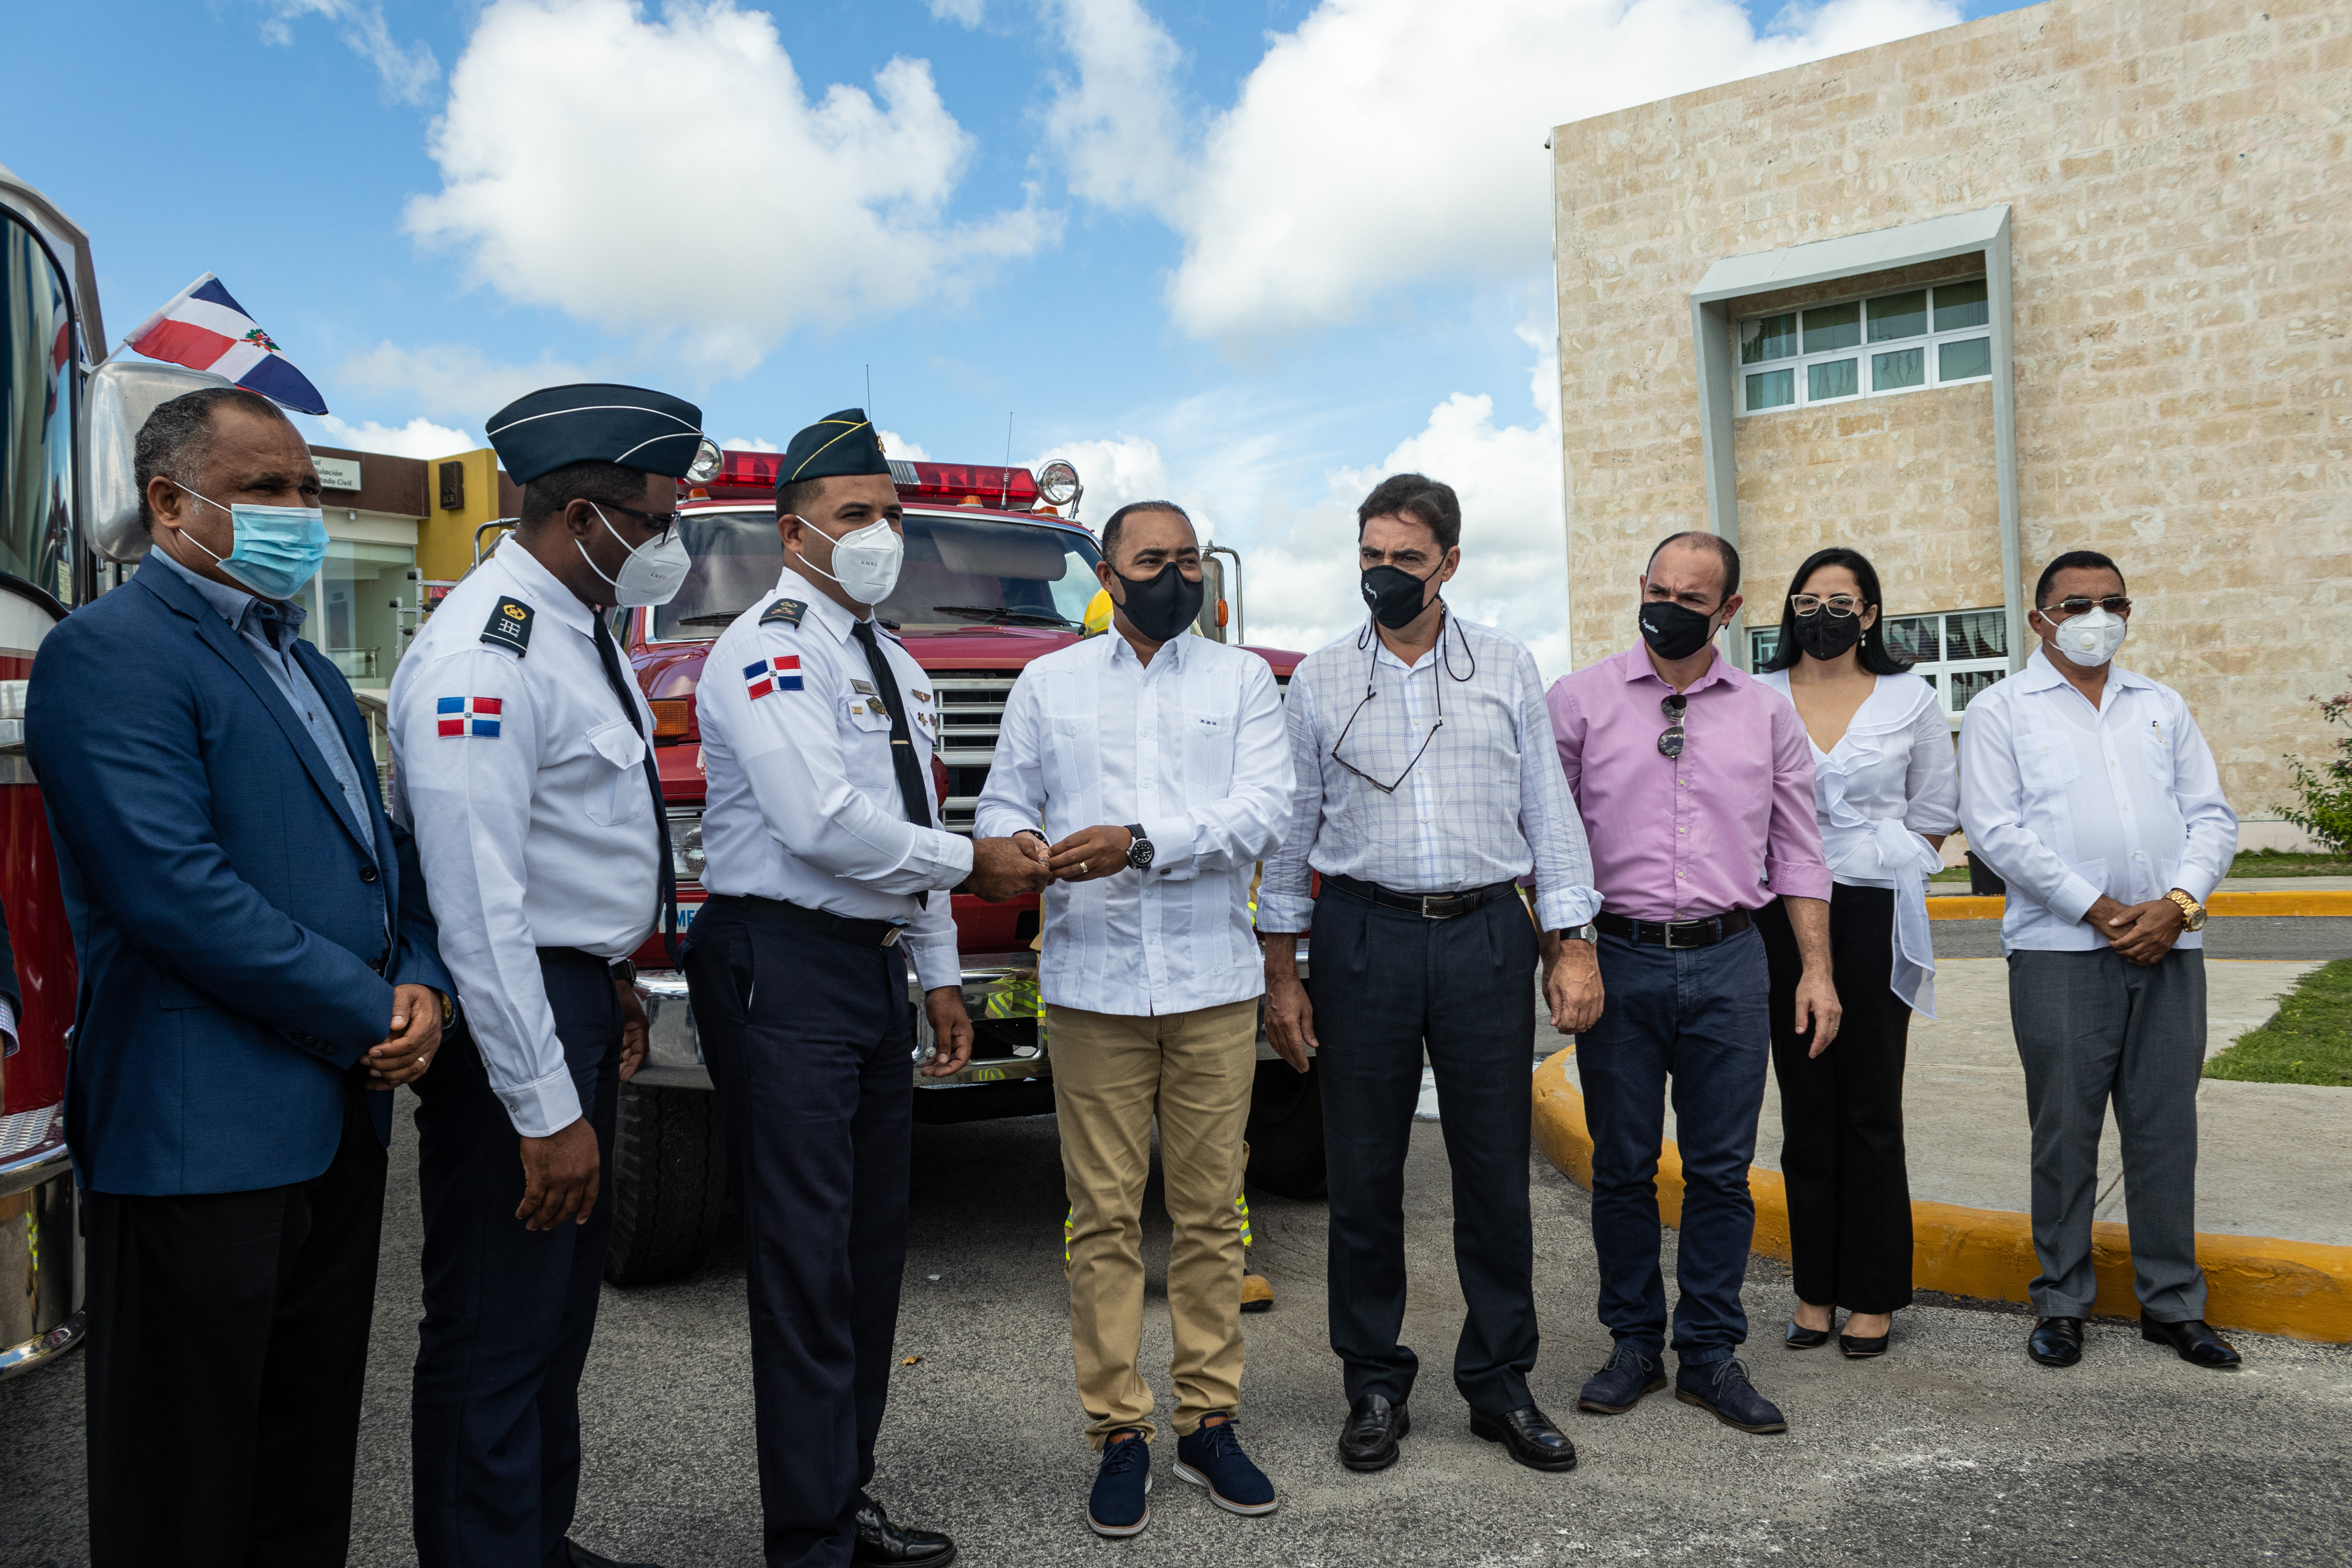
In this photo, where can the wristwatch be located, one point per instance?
(2192, 913)
(1140, 853)
(1588, 932)
(624, 972)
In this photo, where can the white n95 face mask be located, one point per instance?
(2091, 638)
(866, 560)
(654, 571)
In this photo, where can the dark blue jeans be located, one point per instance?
(1700, 1016)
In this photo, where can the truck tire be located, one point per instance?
(1286, 1133)
(670, 1183)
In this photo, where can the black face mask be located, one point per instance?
(1825, 635)
(1394, 595)
(1162, 606)
(1672, 632)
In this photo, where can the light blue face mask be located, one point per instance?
(278, 550)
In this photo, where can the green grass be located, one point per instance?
(2310, 1040)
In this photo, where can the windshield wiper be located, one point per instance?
(717, 618)
(1001, 616)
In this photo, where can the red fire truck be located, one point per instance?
(998, 572)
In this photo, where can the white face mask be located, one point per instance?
(866, 559)
(654, 571)
(2091, 638)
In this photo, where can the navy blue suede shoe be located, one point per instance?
(1120, 1504)
(1722, 1389)
(1212, 1458)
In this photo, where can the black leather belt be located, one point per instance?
(865, 933)
(1428, 906)
(1678, 933)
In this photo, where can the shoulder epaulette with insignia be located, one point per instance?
(783, 612)
(510, 625)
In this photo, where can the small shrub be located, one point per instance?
(2326, 812)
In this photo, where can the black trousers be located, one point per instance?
(1841, 1111)
(494, 1435)
(228, 1337)
(810, 1040)
(1387, 985)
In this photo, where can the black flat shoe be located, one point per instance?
(1530, 1436)
(1858, 1348)
(1369, 1441)
(2196, 1341)
(1800, 1338)
(882, 1544)
(2056, 1342)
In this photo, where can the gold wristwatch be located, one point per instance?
(2192, 913)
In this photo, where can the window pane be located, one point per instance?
(1965, 360)
(1903, 367)
(1834, 326)
(1838, 378)
(1967, 683)
(37, 479)
(1765, 338)
(1898, 316)
(1914, 638)
(1977, 633)
(1762, 644)
(1771, 389)
(1960, 305)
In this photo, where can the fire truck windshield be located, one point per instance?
(959, 571)
(37, 450)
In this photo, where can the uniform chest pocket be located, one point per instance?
(2047, 763)
(867, 715)
(617, 792)
(1209, 746)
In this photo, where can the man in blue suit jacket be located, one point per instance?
(257, 955)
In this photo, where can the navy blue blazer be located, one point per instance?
(227, 917)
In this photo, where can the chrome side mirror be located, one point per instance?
(117, 398)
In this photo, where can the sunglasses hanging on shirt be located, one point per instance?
(1670, 744)
(1436, 686)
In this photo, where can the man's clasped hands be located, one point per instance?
(1025, 863)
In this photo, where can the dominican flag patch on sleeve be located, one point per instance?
(469, 715)
(777, 672)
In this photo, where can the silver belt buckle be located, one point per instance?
(1428, 898)
(1672, 945)
(892, 940)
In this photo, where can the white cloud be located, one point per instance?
(408, 73)
(1115, 473)
(965, 13)
(1383, 142)
(420, 437)
(456, 379)
(833, 206)
(750, 444)
(896, 446)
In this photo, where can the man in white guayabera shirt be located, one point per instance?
(2089, 789)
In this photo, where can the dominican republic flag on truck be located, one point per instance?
(203, 329)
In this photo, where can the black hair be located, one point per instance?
(178, 437)
(1872, 651)
(1117, 519)
(614, 484)
(794, 496)
(1427, 501)
(1724, 552)
(2074, 560)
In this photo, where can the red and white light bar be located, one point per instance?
(744, 476)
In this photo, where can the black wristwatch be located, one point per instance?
(1140, 853)
(624, 972)
(1588, 932)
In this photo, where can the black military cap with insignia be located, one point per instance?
(596, 422)
(842, 443)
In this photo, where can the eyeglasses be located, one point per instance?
(1670, 744)
(663, 520)
(2080, 605)
(1390, 788)
(1840, 606)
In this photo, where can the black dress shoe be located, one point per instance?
(1531, 1436)
(2196, 1341)
(1369, 1441)
(583, 1558)
(882, 1544)
(2056, 1342)
(1854, 1347)
(1800, 1338)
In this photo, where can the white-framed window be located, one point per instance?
(1958, 652)
(1868, 347)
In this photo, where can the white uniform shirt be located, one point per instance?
(524, 783)
(802, 802)
(1889, 780)
(2066, 803)
(1190, 747)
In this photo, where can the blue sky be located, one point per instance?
(1248, 255)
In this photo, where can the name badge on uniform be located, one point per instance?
(862, 688)
(510, 625)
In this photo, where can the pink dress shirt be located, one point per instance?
(1728, 826)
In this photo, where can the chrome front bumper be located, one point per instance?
(40, 1244)
(1000, 992)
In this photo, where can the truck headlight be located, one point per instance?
(705, 467)
(1057, 484)
(686, 857)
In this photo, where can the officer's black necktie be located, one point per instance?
(902, 739)
(610, 656)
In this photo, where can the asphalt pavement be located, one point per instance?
(2226, 936)
(1953, 1449)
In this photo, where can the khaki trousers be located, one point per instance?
(1112, 1074)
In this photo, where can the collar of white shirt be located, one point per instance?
(538, 588)
(2039, 674)
(821, 609)
(1170, 655)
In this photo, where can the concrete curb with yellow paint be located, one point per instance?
(2262, 1284)
(2269, 901)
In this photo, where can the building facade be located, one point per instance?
(2071, 276)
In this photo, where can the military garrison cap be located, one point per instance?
(842, 443)
(596, 422)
